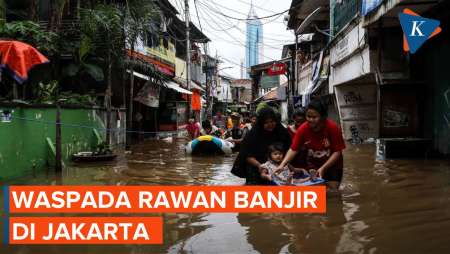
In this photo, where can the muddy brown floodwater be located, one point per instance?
(398, 206)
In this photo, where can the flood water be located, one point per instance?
(398, 206)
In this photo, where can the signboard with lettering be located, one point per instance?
(269, 81)
(347, 45)
(149, 95)
(276, 69)
(182, 115)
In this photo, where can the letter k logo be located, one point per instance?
(417, 30)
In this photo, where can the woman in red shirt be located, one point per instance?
(322, 139)
(193, 128)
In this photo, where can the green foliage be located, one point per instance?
(47, 93)
(102, 36)
(71, 70)
(31, 33)
(101, 31)
(93, 70)
(84, 49)
(138, 15)
(2, 12)
(70, 98)
(102, 149)
(262, 105)
(102, 41)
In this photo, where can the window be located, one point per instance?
(152, 40)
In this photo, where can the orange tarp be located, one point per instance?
(196, 100)
(18, 58)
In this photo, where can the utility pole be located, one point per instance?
(216, 74)
(294, 73)
(207, 81)
(188, 52)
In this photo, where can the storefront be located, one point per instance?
(173, 110)
(352, 80)
(430, 64)
(145, 106)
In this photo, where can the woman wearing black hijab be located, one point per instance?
(254, 148)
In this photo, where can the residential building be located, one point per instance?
(379, 90)
(310, 54)
(241, 90)
(413, 89)
(223, 93)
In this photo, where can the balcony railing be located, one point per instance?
(344, 12)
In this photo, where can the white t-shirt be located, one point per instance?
(282, 176)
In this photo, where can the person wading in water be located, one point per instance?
(255, 146)
(324, 144)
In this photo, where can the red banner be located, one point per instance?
(276, 69)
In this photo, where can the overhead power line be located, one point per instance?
(239, 43)
(271, 21)
(266, 38)
(248, 19)
(234, 38)
(196, 10)
(257, 7)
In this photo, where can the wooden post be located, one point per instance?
(130, 105)
(15, 93)
(24, 91)
(108, 99)
(58, 158)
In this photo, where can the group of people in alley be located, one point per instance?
(270, 153)
(231, 128)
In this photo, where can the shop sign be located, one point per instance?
(276, 69)
(149, 95)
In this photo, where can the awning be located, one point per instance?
(380, 12)
(139, 75)
(391, 8)
(272, 95)
(193, 84)
(259, 98)
(174, 86)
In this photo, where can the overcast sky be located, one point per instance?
(228, 35)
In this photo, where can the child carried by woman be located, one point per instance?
(288, 175)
